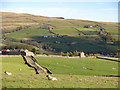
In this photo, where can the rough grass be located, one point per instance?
(82, 78)
(64, 81)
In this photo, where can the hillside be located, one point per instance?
(47, 34)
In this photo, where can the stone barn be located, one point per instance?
(10, 52)
(82, 55)
(27, 53)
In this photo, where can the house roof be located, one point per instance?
(4, 50)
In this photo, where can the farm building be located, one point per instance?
(17, 52)
(82, 55)
(26, 53)
(10, 52)
(57, 35)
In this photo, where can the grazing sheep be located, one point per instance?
(7, 73)
(51, 78)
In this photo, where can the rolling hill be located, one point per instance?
(81, 35)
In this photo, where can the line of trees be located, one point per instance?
(75, 53)
(18, 46)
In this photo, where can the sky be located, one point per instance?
(104, 11)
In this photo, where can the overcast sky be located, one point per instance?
(73, 9)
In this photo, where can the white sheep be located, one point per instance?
(51, 78)
(7, 73)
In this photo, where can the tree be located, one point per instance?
(109, 37)
(76, 53)
(63, 54)
(71, 54)
(118, 53)
(106, 36)
(34, 51)
(46, 53)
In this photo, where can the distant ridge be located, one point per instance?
(59, 17)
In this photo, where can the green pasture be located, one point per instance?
(70, 72)
(28, 33)
(79, 66)
(61, 65)
(66, 31)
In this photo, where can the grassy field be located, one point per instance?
(70, 72)
(28, 33)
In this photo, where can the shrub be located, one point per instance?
(34, 51)
(18, 46)
(87, 55)
(47, 54)
(63, 54)
(71, 54)
(91, 54)
(118, 53)
(97, 55)
(76, 53)
(117, 56)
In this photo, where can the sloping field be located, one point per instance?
(70, 72)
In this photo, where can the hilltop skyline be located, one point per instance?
(94, 11)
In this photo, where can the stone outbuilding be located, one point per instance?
(82, 55)
(27, 53)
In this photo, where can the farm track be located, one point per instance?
(32, 62)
